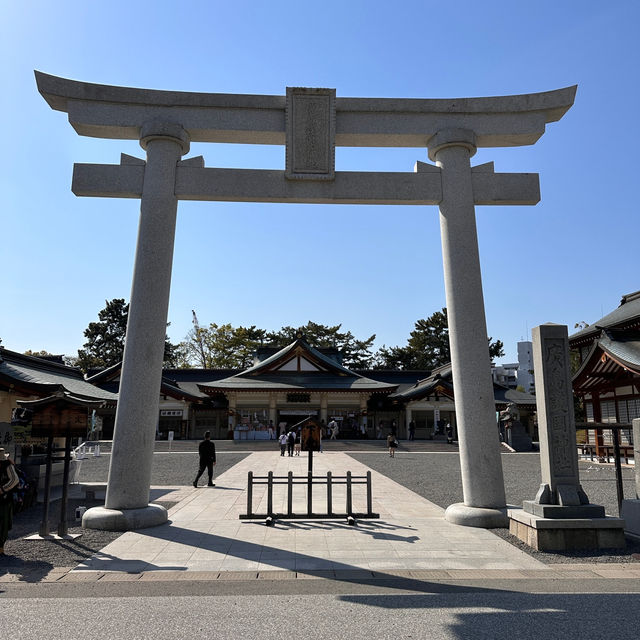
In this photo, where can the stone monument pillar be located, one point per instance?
(560, 517)
(127, 500)
(482, 482)
(631, 508)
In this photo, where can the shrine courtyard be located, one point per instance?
(206, 540)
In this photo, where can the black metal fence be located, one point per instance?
(330, 480)
(615, 429)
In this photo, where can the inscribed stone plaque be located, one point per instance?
(311, 133)
(554, 399)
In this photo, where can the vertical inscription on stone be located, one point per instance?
(310, 134)
(558, 402)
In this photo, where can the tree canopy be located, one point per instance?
(105, 339)
(37, 354)
(228, 347)
(427, 346)
(220, 347)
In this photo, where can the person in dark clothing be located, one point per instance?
(8, 483)
(207, 452)
(291, 440)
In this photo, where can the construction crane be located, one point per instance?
(198, 339)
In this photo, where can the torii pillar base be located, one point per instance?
(483, 517)
(124, 519)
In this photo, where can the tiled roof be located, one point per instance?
(624, 347)
(615, 356)
(265, 375)
(627, 312)
(505, 395)
(442, 378)
(326, 361)
(44, 376)
(299, 382)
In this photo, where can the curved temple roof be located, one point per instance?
(118, 112)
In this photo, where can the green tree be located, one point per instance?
(427, 346)
(356, 354)
(228, 347)
(37, 354)
(105, 339)
(220, 347)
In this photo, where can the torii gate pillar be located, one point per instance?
(127, 500)
(480, 464)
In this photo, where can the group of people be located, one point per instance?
(290, 442)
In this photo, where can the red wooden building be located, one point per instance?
(608, 378)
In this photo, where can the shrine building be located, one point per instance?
(608, 376)
(286, 385)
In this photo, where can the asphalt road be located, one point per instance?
(460, 613)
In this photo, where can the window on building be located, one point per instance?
(608, 411)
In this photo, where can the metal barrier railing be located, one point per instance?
(310, 481)
(615, 428)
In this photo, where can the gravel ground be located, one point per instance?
(34, 559)
(168, 469)
(436, 476)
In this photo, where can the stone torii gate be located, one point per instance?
(310, 123)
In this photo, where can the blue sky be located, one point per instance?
(373, 269)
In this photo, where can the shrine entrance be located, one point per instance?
(310, 123)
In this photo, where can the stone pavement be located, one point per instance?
(206, 540)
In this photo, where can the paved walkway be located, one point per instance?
(206, 536)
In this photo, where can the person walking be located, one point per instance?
(291, 440)
(333, 428)
(296, 444)
(283, 443)
(412, 430)
(207, 453)
(8, 482)
(392, 443)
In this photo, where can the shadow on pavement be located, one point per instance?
(283, 559)
(481, 613)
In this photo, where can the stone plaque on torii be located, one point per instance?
(310, 123)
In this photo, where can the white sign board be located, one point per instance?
(170, 435)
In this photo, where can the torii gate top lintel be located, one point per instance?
(106, 111)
